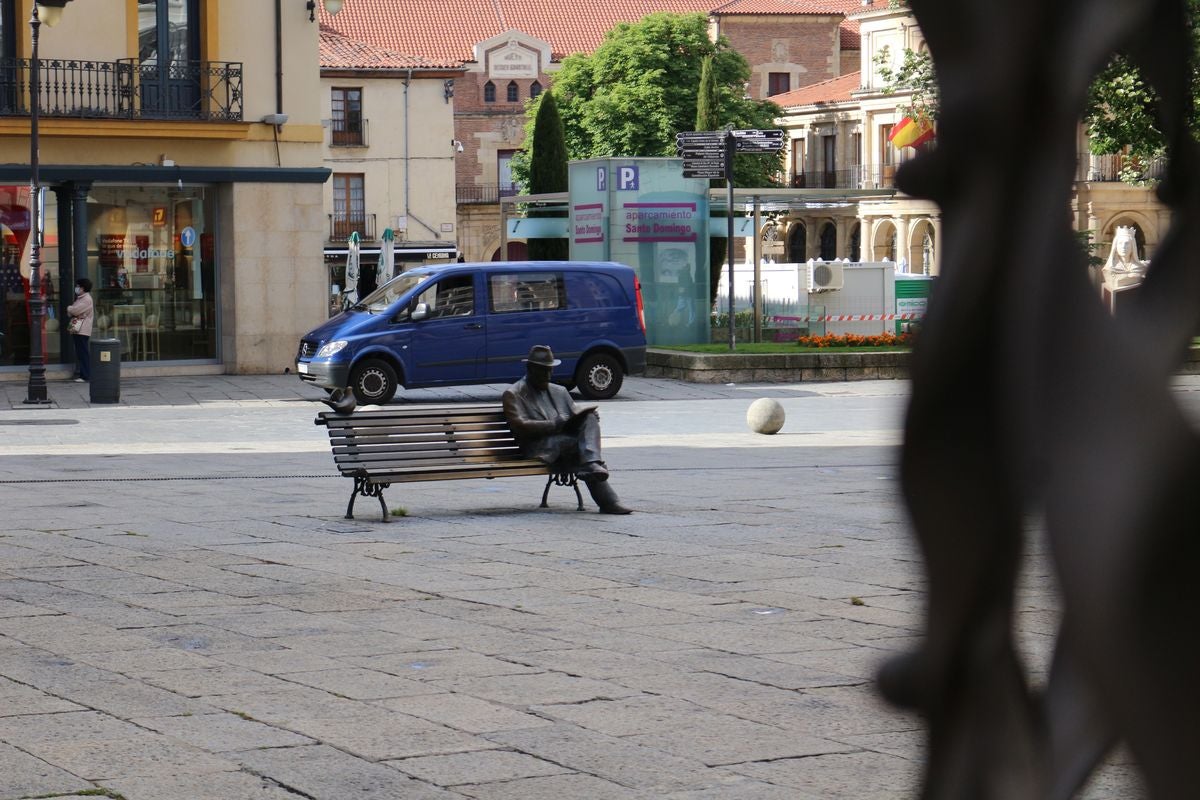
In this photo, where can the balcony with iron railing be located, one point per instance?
(124, 89)
(858, 176)
(483, 193)
(342, 225)
(1118, 166)
(348, 133)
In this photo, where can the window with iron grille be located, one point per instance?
(347, 120)
(349, 205)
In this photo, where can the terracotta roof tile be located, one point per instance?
(851, 39)
(340, 52)
(786, 7)
(834, 90)
(445, 31)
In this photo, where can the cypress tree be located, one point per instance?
(547, 172)
(708, 109)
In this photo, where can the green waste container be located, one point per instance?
(912, 295)
(106, 370)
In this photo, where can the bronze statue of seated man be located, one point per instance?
(551, 427)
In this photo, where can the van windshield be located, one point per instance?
(378, 301)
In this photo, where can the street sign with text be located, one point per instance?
(711, 171)
(756, 141)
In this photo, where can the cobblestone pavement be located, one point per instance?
(184, 613)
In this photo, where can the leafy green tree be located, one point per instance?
(640, 88)
(547, 171)
(1120, 112)
(915, 75)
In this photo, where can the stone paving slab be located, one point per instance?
(183, 618)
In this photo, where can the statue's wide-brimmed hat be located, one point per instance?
(540, 355)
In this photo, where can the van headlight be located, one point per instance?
(331, 348)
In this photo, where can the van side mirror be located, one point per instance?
(420, 312)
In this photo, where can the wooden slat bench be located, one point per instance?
(429, 443)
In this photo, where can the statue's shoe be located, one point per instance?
(592, 471)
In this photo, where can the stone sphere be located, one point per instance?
(765, 416)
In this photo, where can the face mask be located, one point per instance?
(78, 290)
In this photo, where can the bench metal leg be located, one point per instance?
(367, 489)
(562, 479)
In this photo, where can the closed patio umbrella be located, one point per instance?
(387, 257)
(350, 291)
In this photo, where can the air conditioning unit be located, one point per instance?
(824, 276)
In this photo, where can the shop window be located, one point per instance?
(153, 265)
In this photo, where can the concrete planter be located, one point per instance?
(800, 366)
(775, 367)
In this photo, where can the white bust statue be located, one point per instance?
(1123, 258)
(1124, 270)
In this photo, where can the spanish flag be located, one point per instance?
(911, 133)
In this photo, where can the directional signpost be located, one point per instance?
(709, 154)
(758, 141)
(703, 153)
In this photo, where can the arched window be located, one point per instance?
(828, 242)
(797, 243)
(514, 92)
(489, 92)
(535, 89)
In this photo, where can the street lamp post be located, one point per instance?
(36, 391)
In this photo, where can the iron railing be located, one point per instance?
(348, 133)
(124, 89)
(1111, 168)
(483, 193)
(858, 176)
(342, 225)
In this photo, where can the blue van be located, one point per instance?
(474, 323)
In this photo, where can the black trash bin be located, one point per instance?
(106, 370)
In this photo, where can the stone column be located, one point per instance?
(866, 235)
(935, 222)
(902, 240)
(79, 226)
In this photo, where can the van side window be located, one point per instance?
(450, 297)
(593, 290)
(526, 291)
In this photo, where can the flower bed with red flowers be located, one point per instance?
(857, 340)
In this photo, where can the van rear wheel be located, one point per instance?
(373, 381)
(599, 377)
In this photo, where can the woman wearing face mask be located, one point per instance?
(80, 313)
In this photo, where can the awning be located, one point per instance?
(402, 248)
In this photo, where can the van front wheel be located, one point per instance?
(373, 381)
(599, 377)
